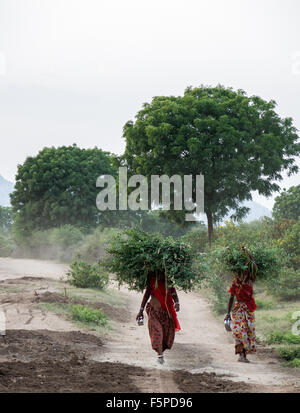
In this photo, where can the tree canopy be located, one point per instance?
(58, 186)
(238, 143)
(287, 204)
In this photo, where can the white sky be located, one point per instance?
(77, 70)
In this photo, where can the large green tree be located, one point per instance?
(58, 186)
(287, 204)
(238, 143)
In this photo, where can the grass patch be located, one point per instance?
(293, 363)
(88, 315)
(277, 337)
(265, 304)
(81, 320)
(289, 353)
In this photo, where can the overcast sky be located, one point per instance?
(77, 70)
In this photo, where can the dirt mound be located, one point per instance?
(208, 383)
(114, 313)
(38, 345)
(63, 377)
(51, 361)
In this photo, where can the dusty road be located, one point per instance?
(202, 358)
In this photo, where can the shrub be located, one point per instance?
(198, 239)
(289, 353)
(277, 337)
(135, 255)
(85, 275)
(287, 286)
(293, 363)
(216, 278)
(86, 314)
(65, 236)
(242, 233)
(54, 243)
(94, 245)
(6, 246)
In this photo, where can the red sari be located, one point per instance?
(243, 317)
(162, 322)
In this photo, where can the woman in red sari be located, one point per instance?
(161, 311)
(243, 311)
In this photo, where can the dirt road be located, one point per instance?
(202, 358)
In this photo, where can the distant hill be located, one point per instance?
(256, 211)
(6, 188)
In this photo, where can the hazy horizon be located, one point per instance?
(77, 71)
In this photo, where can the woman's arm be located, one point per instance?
(144, 302)
(229, 307)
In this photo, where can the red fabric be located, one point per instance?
(166, 300)
(243, 293)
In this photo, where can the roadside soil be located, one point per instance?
(43, 351)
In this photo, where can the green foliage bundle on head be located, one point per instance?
(135, 256)
(258, 261)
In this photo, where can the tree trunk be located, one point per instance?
(210, 226)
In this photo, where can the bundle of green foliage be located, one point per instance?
(85, 275)
(135, 255)
(266, 258)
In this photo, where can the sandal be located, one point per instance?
(160, 359)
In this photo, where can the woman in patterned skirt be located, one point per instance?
(243, 311)
(161, 311)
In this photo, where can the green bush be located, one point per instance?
(134, 255)
(287, 285)
(277, 337)
(216, 278)
(54, 243)
(289, 353)
(198, 239)
(293, 363)
(65, 236)
(94, 245)
(240, 234)
(6, 246)
(86, 314)
(85, 275)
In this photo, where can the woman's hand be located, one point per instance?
(177, 306)
(140, 314)
(227, 317)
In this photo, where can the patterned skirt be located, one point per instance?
(243, 329)
(161, 329)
